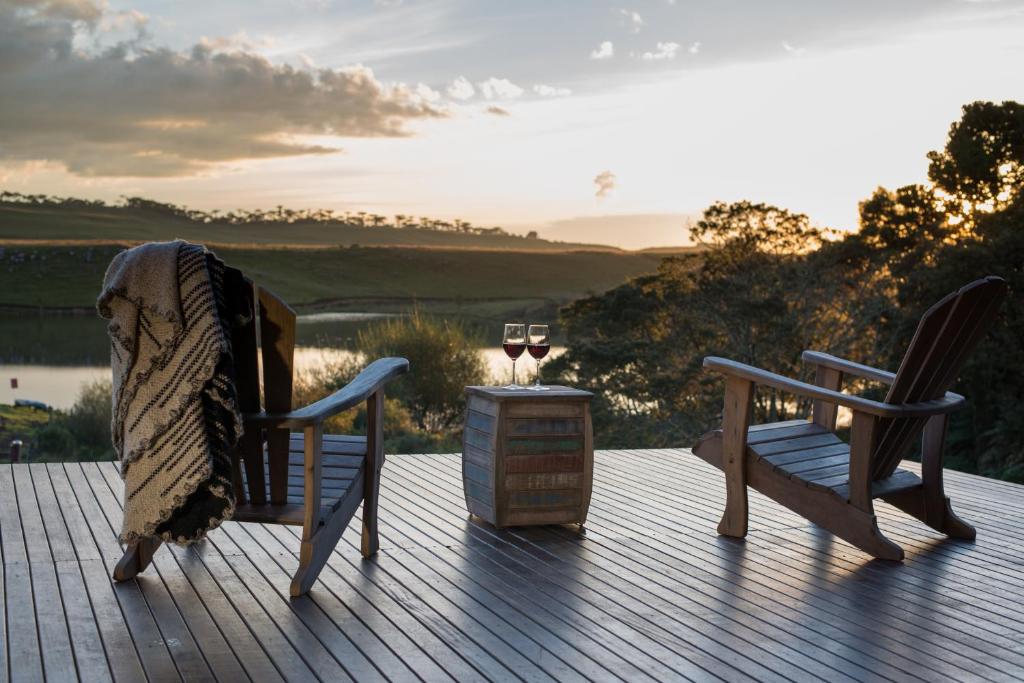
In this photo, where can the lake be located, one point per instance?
(52, 355)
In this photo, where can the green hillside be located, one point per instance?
(120, 223)
(69, 276)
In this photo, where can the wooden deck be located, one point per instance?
(648, 593)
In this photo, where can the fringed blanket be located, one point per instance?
(175, 413)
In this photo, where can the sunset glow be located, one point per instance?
(505, 118)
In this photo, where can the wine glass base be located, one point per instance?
(538, 387)
(512, 387)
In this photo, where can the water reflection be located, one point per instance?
(52, 355)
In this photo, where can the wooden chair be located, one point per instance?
(807, 468)
(303, 478)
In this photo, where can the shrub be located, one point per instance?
(422, 410)
(443, 358)
(89, 421)
(52, 441)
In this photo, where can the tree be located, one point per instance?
(756, 294)
(982, 164)
(443, 359)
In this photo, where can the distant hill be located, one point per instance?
(79, 220)
(66, 276)
(53, 253)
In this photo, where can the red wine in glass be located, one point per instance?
(514, 343)
(538, 351)
(514, 349)
(538, 343)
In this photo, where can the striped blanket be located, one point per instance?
(175, 413)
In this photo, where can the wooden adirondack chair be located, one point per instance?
(304, 478)
(807, 468)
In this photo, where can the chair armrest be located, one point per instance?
(848, 367)
(368, 382)
(947, 404)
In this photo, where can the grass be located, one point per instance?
(19, 422)
(69, 276)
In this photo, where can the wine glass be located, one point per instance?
(514, 343)
(538, 343)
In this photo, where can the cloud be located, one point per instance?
(796, 51)
(632, 20)
(694, 48)
(551, 91)
(664, 51)
(605, 182)
(461, 89)
(603, 51)
(497, 111)
(499, 89)
(426, 93)
(136, 109)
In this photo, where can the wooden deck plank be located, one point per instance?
(431, 658)
(768, 611)
(339, 642)
(118, 649)
(227, 644)
(784, 547)
(141, 622)
(601, 605)
(51, 622)
(4, 661)
(673, 581)
(323, 607)
(485, 556)
(182, 645)
(912, 572)
(776, 573)
(648, 591)
(23, 648)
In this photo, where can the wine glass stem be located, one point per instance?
(513, 372)
(538, 373)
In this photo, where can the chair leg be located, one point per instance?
(872, 541)
(739, 394)
(373, 465)
(930, 503)
(136, 558)
(371, 540)
(313, 555)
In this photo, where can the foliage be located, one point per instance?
(424, 408)
(81, 433)
(770, 285)
(89, 420)
(443, 359)
(756, 294)
(982, 165)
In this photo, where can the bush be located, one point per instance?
(443, 358)
(82, 433)
(53, 441)
(423, 409)
(89, 420)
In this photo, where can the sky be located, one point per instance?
(612, 122)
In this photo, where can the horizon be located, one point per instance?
(604, 124)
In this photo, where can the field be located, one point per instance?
(69, 276)
(53, 257)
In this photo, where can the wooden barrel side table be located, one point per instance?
(528, 456)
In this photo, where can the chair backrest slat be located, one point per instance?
(277, 337)
(945, 337)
